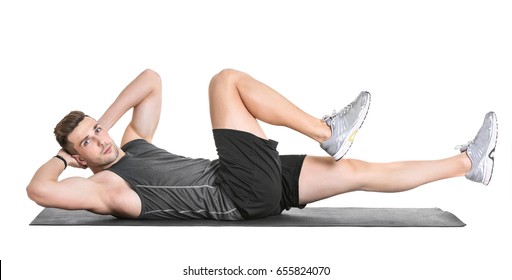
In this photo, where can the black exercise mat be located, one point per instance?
(307, 217)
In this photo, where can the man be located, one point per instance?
(250, 179)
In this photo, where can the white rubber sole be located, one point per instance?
(489, 159)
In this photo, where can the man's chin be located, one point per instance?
(106, 163)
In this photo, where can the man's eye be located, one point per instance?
(98, 130)
(86, 142)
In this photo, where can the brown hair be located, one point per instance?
(65, 127)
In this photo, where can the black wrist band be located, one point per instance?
(63, 160)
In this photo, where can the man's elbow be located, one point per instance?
(153, 74)
(154, 78)
(36, 192)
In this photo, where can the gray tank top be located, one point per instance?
(172, 186)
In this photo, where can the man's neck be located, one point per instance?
(97, 169)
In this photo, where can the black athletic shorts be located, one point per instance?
(260, 182)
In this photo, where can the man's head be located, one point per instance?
(65, 127)
(83, 137)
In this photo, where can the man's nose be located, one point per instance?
(99, 141)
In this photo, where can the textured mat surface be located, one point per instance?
(307, 217)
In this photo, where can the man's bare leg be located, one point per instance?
(322, 177)
(237, 101)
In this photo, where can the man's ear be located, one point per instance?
(80, 160)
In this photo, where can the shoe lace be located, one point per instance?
(336, 114)
(462, 148)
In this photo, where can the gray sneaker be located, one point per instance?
(481, 150)
(345, 124)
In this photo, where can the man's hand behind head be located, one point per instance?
(72, 160)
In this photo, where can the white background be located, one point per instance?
(434, 69)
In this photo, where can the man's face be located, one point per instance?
(93, 144)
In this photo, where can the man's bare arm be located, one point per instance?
(144, 95)
(71, 193)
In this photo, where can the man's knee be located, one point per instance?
(355, 172)
(225, 77)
